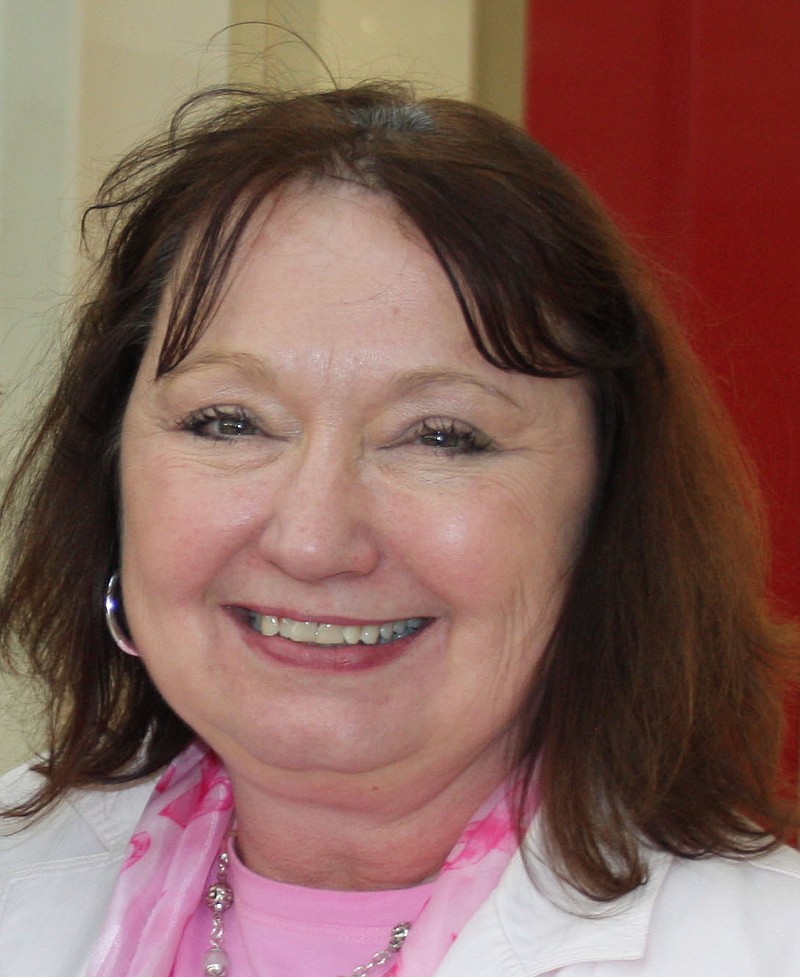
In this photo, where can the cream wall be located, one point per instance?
(138, 58)
(83, 80)
(426, 41)
(37, 127)
(463, 48)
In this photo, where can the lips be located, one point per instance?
(335, 635)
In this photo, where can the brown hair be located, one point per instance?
(655, 711)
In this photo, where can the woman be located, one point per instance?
(375, 453)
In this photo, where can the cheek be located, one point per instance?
(504, 548)
(176, 527)
(471, 547)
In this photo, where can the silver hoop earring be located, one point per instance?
(112, 608)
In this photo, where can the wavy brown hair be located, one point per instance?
(655, 712)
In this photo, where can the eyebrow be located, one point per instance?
(249, 365)
(259, 371)
(421, 379)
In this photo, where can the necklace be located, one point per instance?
(219, 899)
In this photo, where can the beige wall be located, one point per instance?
(420, 40)
(138, 58)
(463, 48)
(83, 80)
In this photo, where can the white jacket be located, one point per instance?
(708, 918)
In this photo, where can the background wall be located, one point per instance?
(83, 80)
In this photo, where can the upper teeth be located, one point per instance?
(311, 632)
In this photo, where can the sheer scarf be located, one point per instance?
(180, 833)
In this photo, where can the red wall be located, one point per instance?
(684, 115)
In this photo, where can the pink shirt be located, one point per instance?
(275, 928)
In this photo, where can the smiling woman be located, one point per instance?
(373, 472)
(434, 562)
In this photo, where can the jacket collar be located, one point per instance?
(528, 928)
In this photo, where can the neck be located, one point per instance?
(351, 835)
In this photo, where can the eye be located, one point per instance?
(220, 423)
(452, 437)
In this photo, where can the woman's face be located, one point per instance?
(345, 534)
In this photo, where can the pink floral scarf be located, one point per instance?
(178, 837)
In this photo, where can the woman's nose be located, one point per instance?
(317, 522)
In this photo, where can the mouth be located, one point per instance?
(335, 635)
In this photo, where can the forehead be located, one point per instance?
(344, 241)
(334, 263)
(334, 299)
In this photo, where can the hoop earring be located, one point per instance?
(112, 606)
